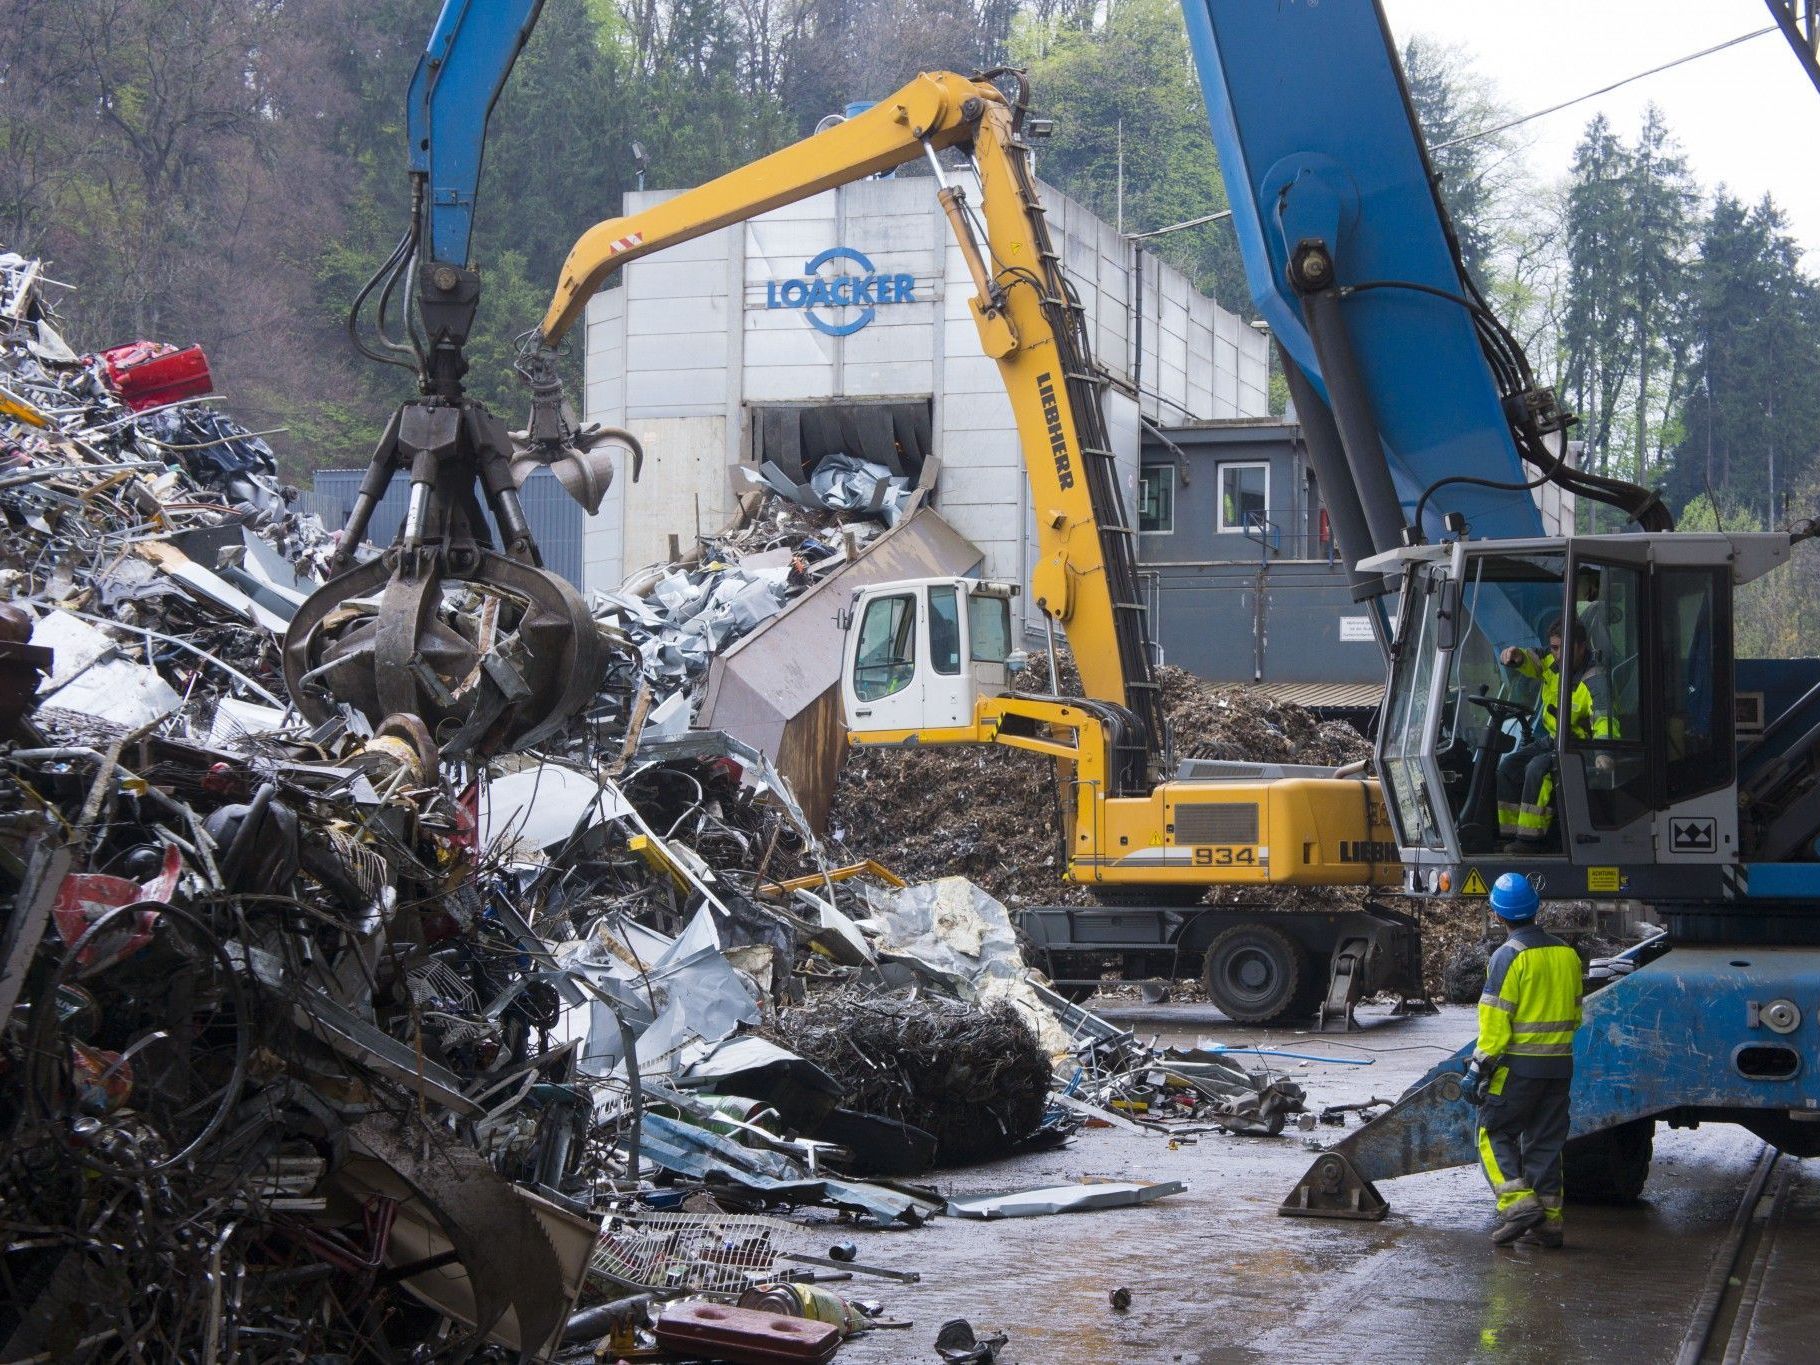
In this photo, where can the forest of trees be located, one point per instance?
(229, 171)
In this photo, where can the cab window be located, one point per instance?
(886, 659)
(944, 630)
(988, 629)
(1695, 687)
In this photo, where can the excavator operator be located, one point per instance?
(1526, 776)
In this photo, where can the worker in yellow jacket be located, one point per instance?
(1523, 1066)
(1526, 776)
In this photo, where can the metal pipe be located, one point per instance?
(1350, 404)
(1339, 491)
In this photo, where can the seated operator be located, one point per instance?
(1526, 775)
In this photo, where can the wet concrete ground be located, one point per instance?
(1216, 1276)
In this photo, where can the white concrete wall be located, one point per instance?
(677, 352)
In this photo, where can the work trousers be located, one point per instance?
(1526, 790)
(1522, 1129)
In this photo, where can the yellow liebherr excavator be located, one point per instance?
(925, 661)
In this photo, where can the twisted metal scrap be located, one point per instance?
(975, 1078)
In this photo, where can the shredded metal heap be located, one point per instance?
(991, 814)
(973, 1077)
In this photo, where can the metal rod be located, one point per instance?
(1055, 676)
(935, 164)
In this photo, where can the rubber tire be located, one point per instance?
(1285, 968)
(1609, 1167)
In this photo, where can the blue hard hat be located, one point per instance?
(1514, 898)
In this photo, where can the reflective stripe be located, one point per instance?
(1545, 1026)
(1509, 1204)
(1498, 1002)
(1517, 1186)
(1541, 1050)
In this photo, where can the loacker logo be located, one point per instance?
(840, 294)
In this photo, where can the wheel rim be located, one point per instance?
(1252, 974)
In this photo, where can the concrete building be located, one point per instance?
(739, 346)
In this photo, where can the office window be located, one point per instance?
(1156, 499)
(1244, 498)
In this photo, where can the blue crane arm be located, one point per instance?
(1316, 140)
(463, 68)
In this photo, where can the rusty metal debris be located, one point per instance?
(326, 1037)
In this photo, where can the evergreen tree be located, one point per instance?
(1600, 358)
(1632, 213)
(1476, 176)
(1751, 423)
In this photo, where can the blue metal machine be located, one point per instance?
(543, 661)
(464, 66)
(1429, 435)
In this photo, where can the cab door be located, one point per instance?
(1657, 785)
(880, 687)
(947, 679)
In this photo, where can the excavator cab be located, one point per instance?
(919, 652)
(1641, 797)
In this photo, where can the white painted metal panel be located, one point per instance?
(605, 401)
(908, 335)
(699, 316)
(672, 351)
(663, 277)
(684, 490)
(967, 479)
(886, 379)
(983, 446)
(783, 337)
(970, 373)
(786, 245)
(673, 393)
(788, 383)
(964, 412)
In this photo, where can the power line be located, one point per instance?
(1603, 90)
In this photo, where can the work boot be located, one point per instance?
(1551, 1236)
(1518, 1219)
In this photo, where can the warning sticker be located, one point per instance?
(1474, 885)
(1603, 879)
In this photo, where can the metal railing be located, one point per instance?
(1273, 542)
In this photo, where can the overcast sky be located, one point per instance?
(1745, 117)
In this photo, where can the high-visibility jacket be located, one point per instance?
(1589, 703)
(1531, 1005)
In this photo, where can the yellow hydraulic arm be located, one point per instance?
(1125, 825)
(1028, 320)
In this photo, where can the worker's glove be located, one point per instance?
(1474, 1084)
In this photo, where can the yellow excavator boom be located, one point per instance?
(1022, 306)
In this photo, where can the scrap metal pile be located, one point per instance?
(318, 1046)
(676, 617)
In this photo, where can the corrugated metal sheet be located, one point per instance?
(555, 517)
(1316, 694)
